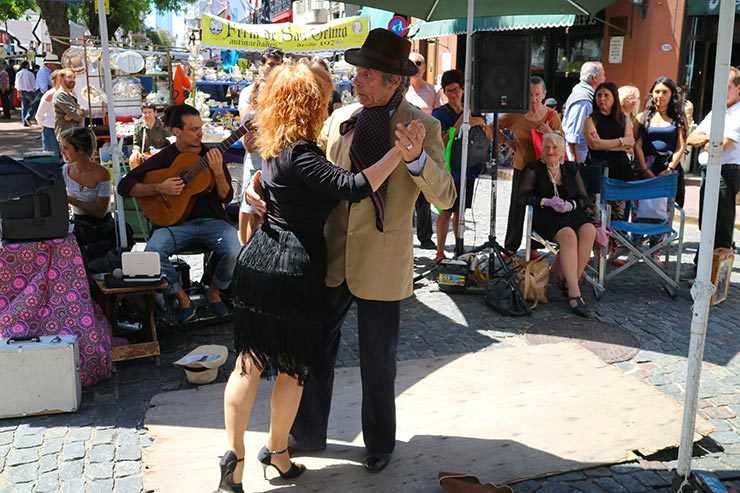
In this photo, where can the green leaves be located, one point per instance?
(13, 9)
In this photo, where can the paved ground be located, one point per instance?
(99, 448)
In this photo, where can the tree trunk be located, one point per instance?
(57, 22)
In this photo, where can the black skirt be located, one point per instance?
(547, 222)
(280, 300)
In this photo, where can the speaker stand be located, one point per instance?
(491, 243)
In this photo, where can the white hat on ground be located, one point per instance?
(202, 363)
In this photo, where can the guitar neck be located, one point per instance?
(203, 162)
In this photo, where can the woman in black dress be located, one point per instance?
(609, 135)
(556, 190)
(279, 276)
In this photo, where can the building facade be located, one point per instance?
(636, 40)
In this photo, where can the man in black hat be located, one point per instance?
(369, 243)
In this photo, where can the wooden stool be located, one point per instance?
(136, 350)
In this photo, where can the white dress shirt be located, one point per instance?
(25, 81)
(732, 131)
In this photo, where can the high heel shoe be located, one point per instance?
(228, 465)
(265, 458)
(580, 308)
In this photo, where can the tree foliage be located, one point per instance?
(13, 9)
(126, 14)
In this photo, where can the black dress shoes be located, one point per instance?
(377, 462)
(428, 245)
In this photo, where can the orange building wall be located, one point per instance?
(643, 59)
(434, 55)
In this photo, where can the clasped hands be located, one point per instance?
(410, 139)
(558, 204)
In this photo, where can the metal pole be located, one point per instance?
(105, 57)
(702, 289)
(465, 129)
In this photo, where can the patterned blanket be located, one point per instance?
(44, 291)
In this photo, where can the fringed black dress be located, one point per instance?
(278, 284)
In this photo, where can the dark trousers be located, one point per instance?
(515, 223)
(729, 186)
(5, 100)
(27, 104)
(378, 327)
(423, 219)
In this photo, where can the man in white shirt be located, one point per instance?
(25, 82)
(424, 96)
(729, 184)
(46, 117)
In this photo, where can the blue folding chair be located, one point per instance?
(652, 188)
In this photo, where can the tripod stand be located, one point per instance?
(496, 250)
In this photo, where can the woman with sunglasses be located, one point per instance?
(421, 93)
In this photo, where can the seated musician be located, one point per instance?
(88, 194)
(205, 225)
(149, 132)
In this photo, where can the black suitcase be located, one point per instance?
(41, 215)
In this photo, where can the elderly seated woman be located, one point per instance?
(556, 190)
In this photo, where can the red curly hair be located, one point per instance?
(292, 105)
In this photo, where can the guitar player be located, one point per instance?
(206, 225)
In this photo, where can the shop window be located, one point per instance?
(576, 52)
(539, 52)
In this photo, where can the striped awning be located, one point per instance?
(426, 30)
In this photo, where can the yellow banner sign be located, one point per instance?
(339, 34)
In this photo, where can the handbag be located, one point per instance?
(478, 149)
(504, 296)
(532, 278)
(538, 136)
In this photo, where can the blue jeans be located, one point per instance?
(215, 235)
(27, 98)
(49, 140)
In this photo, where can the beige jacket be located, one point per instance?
(379, 266)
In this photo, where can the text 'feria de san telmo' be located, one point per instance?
(339, 34)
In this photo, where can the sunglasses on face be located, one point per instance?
(418, 63)
(453, 91)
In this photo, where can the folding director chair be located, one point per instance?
(652, 188)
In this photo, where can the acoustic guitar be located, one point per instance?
(167, 210)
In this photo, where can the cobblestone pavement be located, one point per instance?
(99, 448)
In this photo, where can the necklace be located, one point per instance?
(553, 178)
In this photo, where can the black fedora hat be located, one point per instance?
(383, 51)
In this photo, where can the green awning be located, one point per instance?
(437, 10)
(426, 30)
(706, 7)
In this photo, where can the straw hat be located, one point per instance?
(202, 363)
(52, 58)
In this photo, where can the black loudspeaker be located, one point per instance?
(501, 68)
